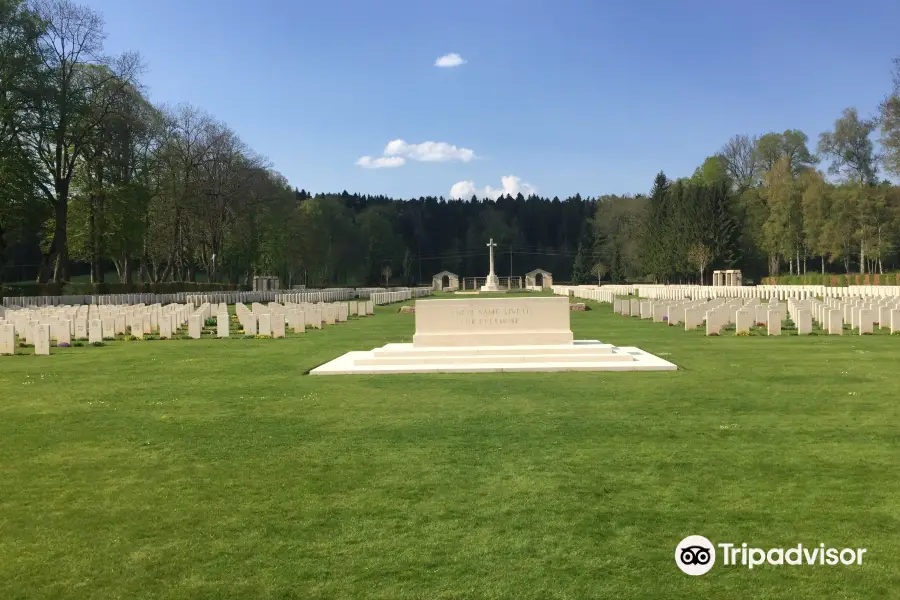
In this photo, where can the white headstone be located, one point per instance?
(864, 321)
(7, 339)
(278, 325)
(195, 326)
(250, 324)
(165, 328)
(835, 322)
(222, 325)
(693, 318)
(81, 332)
(120, 323)
(64, 326)
(265, 323)
(773, 322)
(95, 331)
(42, 340)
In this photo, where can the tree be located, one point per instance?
(700, 255)
(20, 30)
(742, 161)
(79, 88)
(408, 267)
(890, 125)
(850, 147)
(841, 227)
(581, 266)
(386, 272)
(791, 144)
(599, 270)
(816, 208)
(783, 228)
(713, 170)
(653, 250)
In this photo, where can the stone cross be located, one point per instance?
(491, 245)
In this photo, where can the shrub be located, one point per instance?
(28, 288)
(98, 344)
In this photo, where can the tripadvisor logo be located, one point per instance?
(696, 555)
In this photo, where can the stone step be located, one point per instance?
(494, 359)
(402, 350)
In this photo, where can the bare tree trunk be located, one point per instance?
(59, 248)
(126, 266)
(92, 234)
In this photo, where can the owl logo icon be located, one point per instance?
(695, 555)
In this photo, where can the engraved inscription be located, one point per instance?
(486, 317)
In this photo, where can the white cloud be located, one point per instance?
(450, 60)
(511, 186)
(383, 162)
(397, 152)
(428, 151)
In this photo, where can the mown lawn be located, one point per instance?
(218, 469)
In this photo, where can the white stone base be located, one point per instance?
(582, 355)
(492, 284)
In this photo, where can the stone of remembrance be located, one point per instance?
(482, 335)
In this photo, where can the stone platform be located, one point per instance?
(493, 335)
(582, 355)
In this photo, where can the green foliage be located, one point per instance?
(581, 266)
(851, 148)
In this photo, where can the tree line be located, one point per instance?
(96, 179)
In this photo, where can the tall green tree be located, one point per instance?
(890, 125)
(791, 144)
(79, 87)
(850, 148)
(816, 208)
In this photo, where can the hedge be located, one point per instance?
(92, 289)
(828, 279)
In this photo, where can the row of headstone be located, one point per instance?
(862, 314)
(415, 292)
(764, 292)
(93, 323)
(332, 295)
(272, 319)
(381, 298)
(199, 298)
(715, 314)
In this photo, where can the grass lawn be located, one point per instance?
(218, 469)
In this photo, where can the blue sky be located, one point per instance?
(563, 96)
